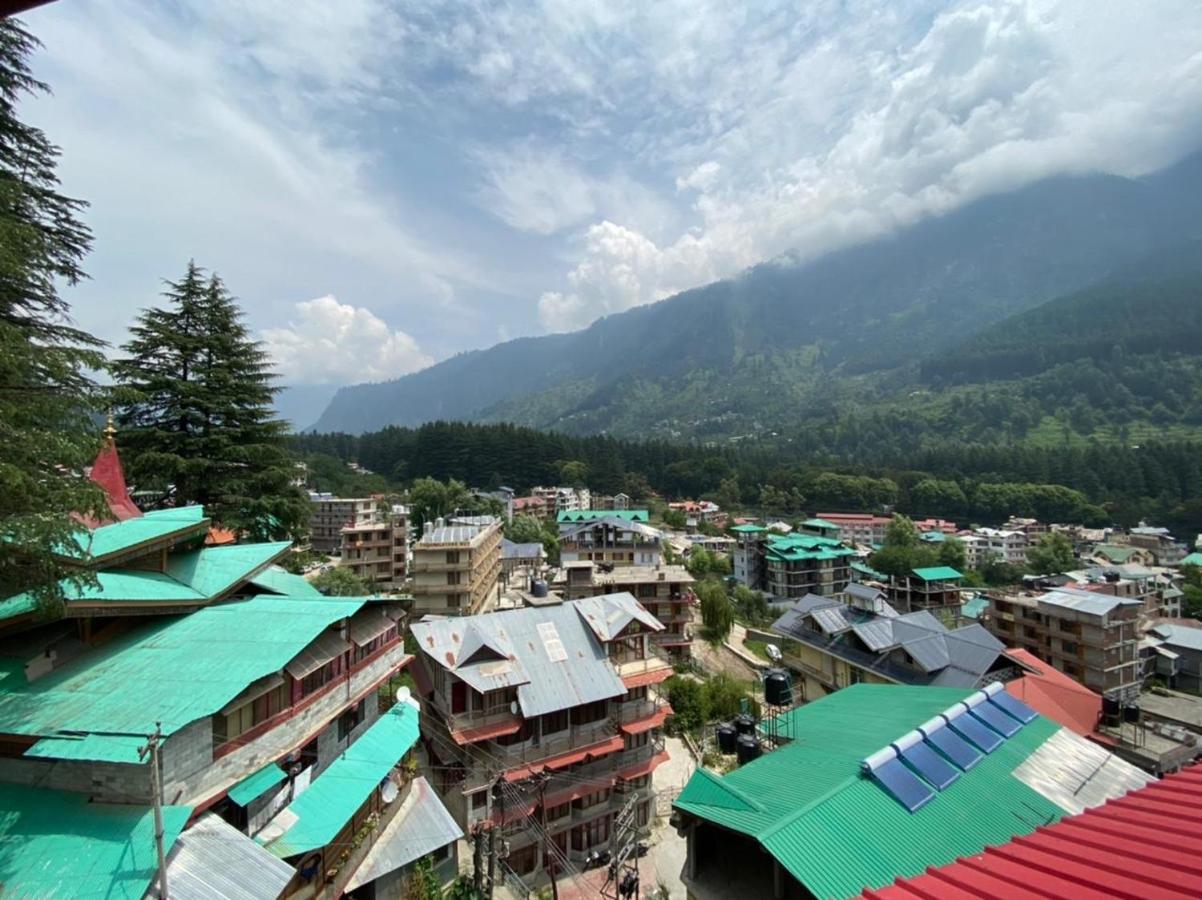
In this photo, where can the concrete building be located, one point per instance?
(1172, 651)
(1165, 550)
(455, 567)
(665, 591)
(933, 588)
(514, 556)
(1089, 635)
(996, 545)
(619, 539)
(831, 644)
(748, 556)
(799, 564)
(564, 499)
(378, 551)
(563, 692)
(858, 528)
(331, 514)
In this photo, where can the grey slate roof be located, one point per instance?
(215, 861)
(950, 658)
(1086, 601)
(553, 655)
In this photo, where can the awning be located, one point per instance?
(328, 645)
(645, 678)
(369, 625)
(638, 770)
(254, 786)
(256, 690)
(1167, 654)
(655, 720)
(609, 745)
(317, 815)
(420, 827)
(485, 732)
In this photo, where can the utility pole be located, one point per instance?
(623, 878)
(478, 859)
(498, 796)
(156, 792)
(547, 855)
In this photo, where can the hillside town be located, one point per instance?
(741, 489)
(212, 719)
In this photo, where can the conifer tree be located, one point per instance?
(46, 394)
(197, 418)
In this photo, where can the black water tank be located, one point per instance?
(747, 749)
(726, 738)
(744, 724)
(778, 688)
(1110, 706)
(1130, 713)
(538, 588)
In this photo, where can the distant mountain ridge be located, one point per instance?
(780, 345)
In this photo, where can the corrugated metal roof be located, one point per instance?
(1146, 844)
(1085, 601)
(877, 634)
(831, 619)
(215, 861)
(420, 827)
(1180, 636)
(618, 524)
(58, 845)
(938, 573)
(512, 550)
(1076, 774)
(278, 580)
(327, 646)
(836, 830)
(517, 654)
(149, 528)
(174, 671)
(588, 515)
(257, 784)
(336, 794)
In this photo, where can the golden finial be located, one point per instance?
(110, 430)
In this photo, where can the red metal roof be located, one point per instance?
(108, 473)
(645, 678)
(655, 720)
(486, 732)
(1145, 845)
(609, 745)
(1051, 693)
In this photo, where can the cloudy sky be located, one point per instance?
(387, 183)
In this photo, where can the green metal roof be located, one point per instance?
(836, 830)
(153, 526)
(796, 547)
(280, 581)
(1194, 559)
(338, 792)
(1114, 552)
(212, 571)
(586, 515)
(174, 671)
(975, 607)
(938, 573)
(90, 747)
(934, 537)
(819, 523)
(256, 785)
(864, 569)
(749, 529)
(58, 845)
(18, 605)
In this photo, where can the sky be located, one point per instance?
(385, 184)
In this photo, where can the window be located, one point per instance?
(244, 718)
(479, 800)
(558, 812)
(556, 721)
(646, 590)
(452, 557)
(591, 712)
(453, 577)
(319, 678)
(351, 719)
(1069, 646)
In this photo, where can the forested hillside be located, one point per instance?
(1093, 483)
(783, 345)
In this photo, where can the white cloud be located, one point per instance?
(336, 343)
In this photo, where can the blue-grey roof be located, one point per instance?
(512, 550)
(1180, 636)
(553, 655)
(1089, 602)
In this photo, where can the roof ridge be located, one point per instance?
(793, 816)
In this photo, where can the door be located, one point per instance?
(459, 697)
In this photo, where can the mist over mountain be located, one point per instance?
(782, 344)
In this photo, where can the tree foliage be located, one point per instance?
(339, 581)
(717, 611)
(46, 393)
(1052, 554)
(197, 415)
(703, 563)
(694, 702)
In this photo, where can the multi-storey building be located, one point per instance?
(617, 501)
(331, 514)
(934, 588)
(1159, 542)
(455, 567)
(259, 690)
(996, 545)
(545, 715)
(748, 557)
(832, 644)
(564, 499)
(618, 539)
(378, 551)
(665, 591)
(858, 528)
(799, 564)
(1089, 635)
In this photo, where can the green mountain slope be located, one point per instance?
(814, 345)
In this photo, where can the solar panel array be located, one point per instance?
(934, 756)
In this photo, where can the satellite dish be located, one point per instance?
(388, 791)
(513, 707)
(402, 695)
(773, 652)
